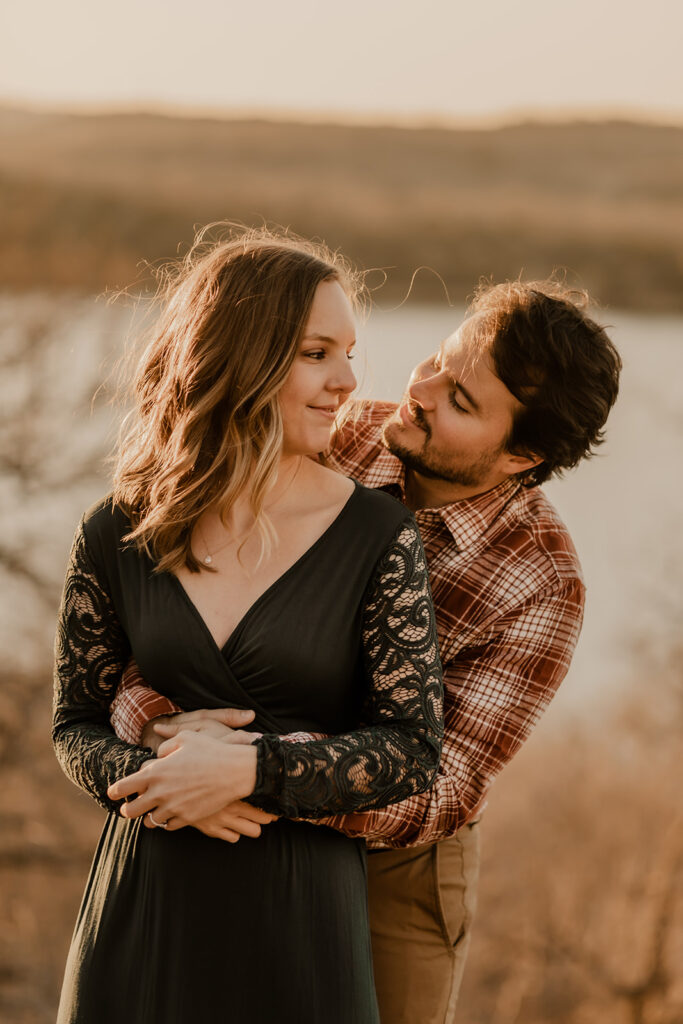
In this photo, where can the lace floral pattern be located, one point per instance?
(91, 650)
(396, 754)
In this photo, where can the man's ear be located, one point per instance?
(514, 464)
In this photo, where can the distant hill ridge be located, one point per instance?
(85, 198)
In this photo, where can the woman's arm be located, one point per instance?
(394, 756)
(397, 754)
(91, 649)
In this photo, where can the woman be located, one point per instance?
(239, 571)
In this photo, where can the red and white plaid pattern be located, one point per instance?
(509, 595)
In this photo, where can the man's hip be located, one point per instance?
(422, 902)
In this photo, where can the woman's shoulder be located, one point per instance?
(367, 501)
(381, 502)
(104, 524)
(379, 512)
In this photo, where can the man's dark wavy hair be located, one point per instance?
(557, 361)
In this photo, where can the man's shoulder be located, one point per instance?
(537, 539)
(550, 533)
(524, 560)
(359, 436)
(364, 417)
(375, 411)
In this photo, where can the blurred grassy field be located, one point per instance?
(85, 199)
(580, 916)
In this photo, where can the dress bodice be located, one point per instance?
(345, 634)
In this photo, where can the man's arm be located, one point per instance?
(495, 693)
(139, 715)
(136, 704)
(137, 708)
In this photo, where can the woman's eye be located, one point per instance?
(350, 355)
(317, 354)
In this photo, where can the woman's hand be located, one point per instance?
(231, 823)
(194, 776)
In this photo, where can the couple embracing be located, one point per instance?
(301, 636)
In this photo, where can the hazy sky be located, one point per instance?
(360, 56)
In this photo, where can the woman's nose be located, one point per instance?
(344, 379)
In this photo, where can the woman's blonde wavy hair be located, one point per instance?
(206, 426)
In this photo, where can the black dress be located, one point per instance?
(180, 928)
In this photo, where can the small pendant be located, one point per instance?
(208, 560)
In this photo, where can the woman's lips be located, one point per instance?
(328, 413)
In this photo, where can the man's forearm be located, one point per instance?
(425, 818)
(136, 704)
(497, 697)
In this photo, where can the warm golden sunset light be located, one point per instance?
(341, 378)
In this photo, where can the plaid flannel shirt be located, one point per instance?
(508, 594)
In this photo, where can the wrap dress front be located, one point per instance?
(180, 928)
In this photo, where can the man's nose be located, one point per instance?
(421, 391)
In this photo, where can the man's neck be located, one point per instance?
(424, 492)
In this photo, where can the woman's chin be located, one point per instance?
(311, 447)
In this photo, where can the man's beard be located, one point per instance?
(433, 465)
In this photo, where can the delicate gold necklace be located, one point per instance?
(209, 556)
(208, 559)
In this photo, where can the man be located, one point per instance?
(521, 391)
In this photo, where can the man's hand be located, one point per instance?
(222, 723)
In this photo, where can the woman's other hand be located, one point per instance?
(194, 776)
(230, 823)
(224, 723)
(238, 819)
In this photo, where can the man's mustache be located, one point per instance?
(417, 414)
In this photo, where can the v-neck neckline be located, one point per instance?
(223, 650)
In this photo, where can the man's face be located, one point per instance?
(455, 417)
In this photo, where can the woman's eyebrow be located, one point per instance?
(325, 337)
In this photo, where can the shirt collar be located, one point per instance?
(466, 520)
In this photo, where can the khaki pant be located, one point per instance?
(422, 902)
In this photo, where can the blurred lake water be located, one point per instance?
(624, 508)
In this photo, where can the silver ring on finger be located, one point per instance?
(157, 824)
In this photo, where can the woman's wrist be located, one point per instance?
(270, 772)
(242, 768)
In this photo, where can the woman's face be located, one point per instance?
(321, 376)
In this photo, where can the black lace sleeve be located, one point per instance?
(91, 650)
(397, 754)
